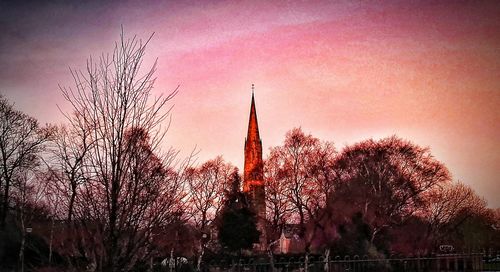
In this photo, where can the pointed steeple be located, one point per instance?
(253, 126)
(253, 151)
(253, 175)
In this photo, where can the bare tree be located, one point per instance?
(68, 149)
(387, 181)
(129, 184)
(450, 206)
(303, 164)
(208, 184)
(21, 141)
(279, 208)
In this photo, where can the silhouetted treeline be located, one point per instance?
(373, 198)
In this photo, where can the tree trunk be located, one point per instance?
(306, 261)
(23, 241)
(50, 240)
(171, 267)
(71, 203)
(327, 260)
(5, 204)
(374, 233)
(198, 265)
(112, 243)
(271, 257)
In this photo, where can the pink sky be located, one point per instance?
(343, 71)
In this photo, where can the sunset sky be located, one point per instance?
(344, 71)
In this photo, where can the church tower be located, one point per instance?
(253, 176)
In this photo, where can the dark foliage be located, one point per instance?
(238, 228)
(353, 238)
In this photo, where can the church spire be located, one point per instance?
(253, 175)
(253, 126)
(253, 151)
